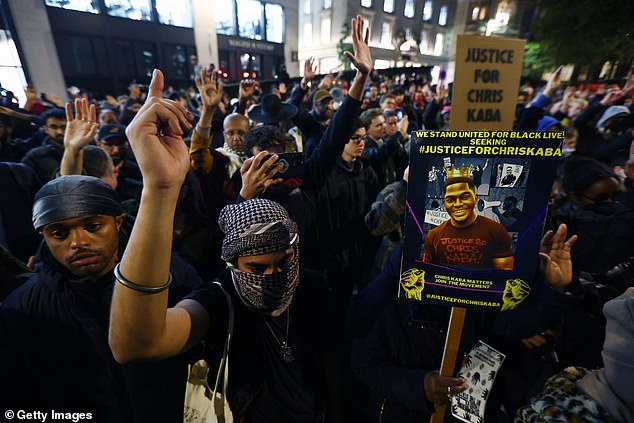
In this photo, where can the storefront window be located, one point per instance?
(274, 23)
(175, 12)
(90, 6)
(250, 19)
(139, 10)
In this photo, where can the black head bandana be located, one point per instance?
(73, 196)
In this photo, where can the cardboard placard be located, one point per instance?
(486, 82)
(473, 229)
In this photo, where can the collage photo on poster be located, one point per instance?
(500, 185)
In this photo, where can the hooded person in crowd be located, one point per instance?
(54, 327)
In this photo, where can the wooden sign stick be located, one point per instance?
(452, 342)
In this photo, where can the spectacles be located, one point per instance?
(357, 139)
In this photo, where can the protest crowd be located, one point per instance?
(117, 216)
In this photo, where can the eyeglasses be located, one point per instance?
(357, 139)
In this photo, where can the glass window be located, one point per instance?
(308, 34)
(91, 6)
(307, 7)
(327, 4)
(11, 67)
(223, 13)
(439, 45)
(386, 35)
(474, 13)
(274, 23)
(139, 10)
(442, 16)
(325, 30)
(146, 58)
(388, 6)
(175, 12)
(425, 37)
(366, 3)
(124, 58)
(409, 9)
(250, 19)
(483, 13)
(428, 10)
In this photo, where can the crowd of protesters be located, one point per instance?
(157, 186)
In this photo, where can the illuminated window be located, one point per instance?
(439, 45)
(474, 13)
(483, 13)
(91, 6)
(308, 34)
(175, 12)
(325, 30)
(366, 3)
(274, 23)
(307, 7)
(250, 19)
(139, 10)
(223, 13)
(327, 4)
(388, 6)
(442, 16)
(386, 35)
(10, 67)
(409, 9)
(428, 10)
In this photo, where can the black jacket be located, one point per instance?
(55, 353)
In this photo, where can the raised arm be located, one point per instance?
(80, 131)
(141, 326)
(210, 89)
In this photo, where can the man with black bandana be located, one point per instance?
(54, 328)
(274, 375)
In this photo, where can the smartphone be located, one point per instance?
(292, 165)
(399, 113)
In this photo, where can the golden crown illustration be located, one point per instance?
(462, 172)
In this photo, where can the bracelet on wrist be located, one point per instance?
(140, 288)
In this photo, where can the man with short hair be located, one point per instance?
(235, 128)
(385, 153)
(388, 102)
(467, 239)
(46, 159)
(54, 328)
(113, 139)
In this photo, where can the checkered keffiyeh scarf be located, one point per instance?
(255, 227)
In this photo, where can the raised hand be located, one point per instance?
(553, 82)
(155, 135)
(258, 174)
(362, 58)
(247, 89)
(555, 256)
(309, 70)
(210, 89)
(82, 128)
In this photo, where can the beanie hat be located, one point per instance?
(618, 348)
(546, 123)
(611, 112)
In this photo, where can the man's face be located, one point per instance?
(55, 129)
(86, 245)
(325, 108)
(388, 104)
(354, 147)
(377, 128)
(374, 92)
(460, 201)
(391, 125)
(266, 264)
(115, 147)
(234, 131)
